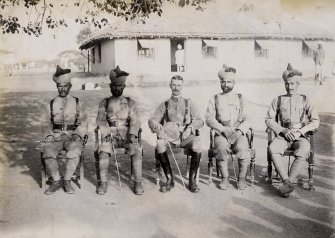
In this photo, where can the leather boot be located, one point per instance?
(68, 187)
(102, 188)
(223, 168)
(195, 161)
(56, 185)
(286, 188)
(165, 163)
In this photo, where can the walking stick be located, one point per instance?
(117, 166)
(182, 180)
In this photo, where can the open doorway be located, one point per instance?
(178, 55)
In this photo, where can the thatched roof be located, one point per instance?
(211, 23)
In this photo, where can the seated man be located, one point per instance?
(119, 123)
(291, 117)
(228, 115)
(64, 125)
(180, 119)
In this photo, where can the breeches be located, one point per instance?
(301, 146)
(73, 149)
(223, 149)
(131, 149)
(192, 142)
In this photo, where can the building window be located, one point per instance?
(210, 48)
(146, 48)
(307, 50)
(260, 51)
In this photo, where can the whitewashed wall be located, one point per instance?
(237, 53)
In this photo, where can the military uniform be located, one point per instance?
(227, 113)
(63, 118)
(118, 119)
(176, 115)
(295, 113)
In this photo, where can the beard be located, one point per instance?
(226, 89)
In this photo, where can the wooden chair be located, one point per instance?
(290, 153)
(211, 156)
(117, 151)
(186, 163)
(78, 174)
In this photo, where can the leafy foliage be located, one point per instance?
(41, 13)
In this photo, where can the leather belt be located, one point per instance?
(64, 127)
(228, 123)
(290, 125)
(117, 123)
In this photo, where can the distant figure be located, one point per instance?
(319, 58)
(180, 58)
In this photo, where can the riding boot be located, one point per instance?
(165, 163)
(195, 161)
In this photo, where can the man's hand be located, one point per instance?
(158, 128)
(231, 139)
(133, 139)
(49, 138)
(108, 138)
(76, 137)
(227, 132)
(186, 133)
(288, 134)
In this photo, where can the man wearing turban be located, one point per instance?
(119, 122)
(64, 125)
(228, 114)
(290, 117)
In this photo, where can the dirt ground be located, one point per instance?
(256, 212)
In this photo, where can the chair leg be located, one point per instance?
(252, 171)
(311, 171)
(210, 167)
(81, 176)
(269, 166)
(43, 172)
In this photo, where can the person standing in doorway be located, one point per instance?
(319, 58)
(180, 58)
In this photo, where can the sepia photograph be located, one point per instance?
(167, 118)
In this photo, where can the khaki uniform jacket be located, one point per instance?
(64, 111)
(119, 109)
(292, 109)
(176, 113)
(230, 113)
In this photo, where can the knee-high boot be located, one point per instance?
(165, 163)
(195, 161)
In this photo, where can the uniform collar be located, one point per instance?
(176, 98)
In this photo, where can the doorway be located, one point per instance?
(178, 63)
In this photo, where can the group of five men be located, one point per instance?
(175, 123)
